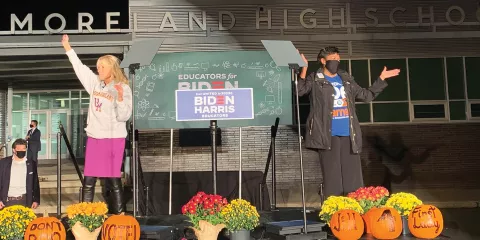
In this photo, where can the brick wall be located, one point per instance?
(451, 157)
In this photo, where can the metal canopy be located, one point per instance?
(45, 66)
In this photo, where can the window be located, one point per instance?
(472, 65)
(363, 112)
(19, 101)
(360, 72)
(397, 89)
(427, 81)
(429, 111)
(475, 110)
(457, 110)
(390, 112)
(455, 78)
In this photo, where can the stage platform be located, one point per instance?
(460, 224)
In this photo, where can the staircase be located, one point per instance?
(47, 173)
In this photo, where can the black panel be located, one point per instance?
(198, 137)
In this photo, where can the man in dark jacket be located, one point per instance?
(34, 143)
(19, 184)
(332, 125)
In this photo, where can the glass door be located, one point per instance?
(43, 125)
(48, 124)
(58, 117)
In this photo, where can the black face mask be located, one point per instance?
(31, 125)
(20, 154)
(332, 66)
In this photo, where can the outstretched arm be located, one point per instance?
(86, 76)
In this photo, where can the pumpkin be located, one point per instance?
(347, 225)
(385, 223)
(45, 228)
(425, 221)
(121, 227)
(366, 218)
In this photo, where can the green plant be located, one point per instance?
(14, 221)
(240, 214)
(90, 215)
(403, 202)
(370, 197)
(205, 207)
(337, 203)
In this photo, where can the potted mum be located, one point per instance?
(240, 218)
(337, 203)
(404, 203)
(204, 211)
(86, 219)
(14, 221)
(368, 198)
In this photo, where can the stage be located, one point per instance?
(460, 224)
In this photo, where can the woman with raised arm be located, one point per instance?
(109, 109)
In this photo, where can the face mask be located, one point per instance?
(31, 126)
(332, 66)
(20, 154)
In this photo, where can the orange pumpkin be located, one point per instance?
(121, 227)
(366, 218)
(385, 223)
(347, 225)
(425, 221)
(45, 228)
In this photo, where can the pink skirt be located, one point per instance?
(104, 157)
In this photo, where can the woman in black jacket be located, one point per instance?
(332, 125)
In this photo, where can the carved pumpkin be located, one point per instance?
(366, 218)
(121, 227)
(45, 228)
(425, 221)
(385, 223)
(347, 225)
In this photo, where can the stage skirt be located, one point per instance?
(103, 157)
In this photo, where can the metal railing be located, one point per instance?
(59, 174)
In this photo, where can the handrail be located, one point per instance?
(59, 174)
(70, 150)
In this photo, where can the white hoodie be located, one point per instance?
(106, 116)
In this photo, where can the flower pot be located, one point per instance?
(406, 230)
(241, 234)
(208, 231)
(82, 233)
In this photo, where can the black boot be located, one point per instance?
(116, 196)
(88, 191)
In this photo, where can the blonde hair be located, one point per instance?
(114, 64)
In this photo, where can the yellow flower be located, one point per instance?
(403, 202)
(337, 203)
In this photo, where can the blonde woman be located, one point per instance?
(109, 110)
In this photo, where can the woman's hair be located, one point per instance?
(114, 63)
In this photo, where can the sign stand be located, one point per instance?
(285, 54)
(190, 104)
(141, 53)
(213, 134)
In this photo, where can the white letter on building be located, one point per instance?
(313, 21)
(82, 24)
(267, 19)
(192, 17)
(392, 17)
(15, 21)
(110, 21)
(341, 17)
(171, 23)
(450, 10)
(371, 16)
(220, 20)
(421, 16)
(57, 15)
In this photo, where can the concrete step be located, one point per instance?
(49, 202)
(53, 177)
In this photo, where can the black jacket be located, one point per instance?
(34, 143)
(33, 185)
(321, 94)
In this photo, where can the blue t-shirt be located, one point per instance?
(340, 116)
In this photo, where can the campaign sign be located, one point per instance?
(214, 104)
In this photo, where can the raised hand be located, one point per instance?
(66, 43)
(119, 89)
(389, 73)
